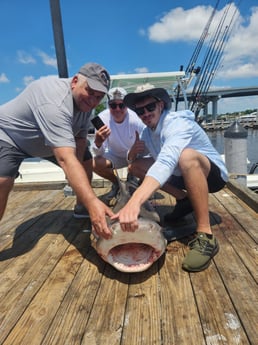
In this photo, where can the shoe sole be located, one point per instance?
(202, 268)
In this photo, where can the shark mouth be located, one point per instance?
(133, 251)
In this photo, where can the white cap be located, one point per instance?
(116, 93)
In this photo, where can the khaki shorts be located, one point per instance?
(117, 162)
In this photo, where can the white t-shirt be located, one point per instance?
(122, 135)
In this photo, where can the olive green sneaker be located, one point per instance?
(202, 250)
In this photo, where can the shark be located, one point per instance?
(136, 251)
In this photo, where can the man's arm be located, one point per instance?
(128, 215)
(76, 175)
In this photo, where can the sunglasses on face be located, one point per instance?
(148, 107)
(115, 105)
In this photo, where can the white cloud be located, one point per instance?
(241, 50)
(180, 25)
(28, 79)
(25, 58)
(141, 70)
(46, 59)
(3, 78)
(240, 57)
(142, 32)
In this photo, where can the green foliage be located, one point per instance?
(99, 108)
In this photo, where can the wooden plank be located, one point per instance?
(219, 318)
(142, 317)
(244, 193)
(105, 323)
(70, 321)
(180, 319)
(235, 230)
(39, 314)
(19, 210)
(15, 207)
(22, 280)
(55, 290)
(240, 286)
(31, 229)
(238, 271)
(240, 211)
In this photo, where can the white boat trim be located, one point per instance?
(40, 170)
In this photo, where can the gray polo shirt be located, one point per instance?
(43, 116)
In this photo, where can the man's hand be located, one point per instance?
(128, 216)
(137, 148)
(101, 135)
(98, 212)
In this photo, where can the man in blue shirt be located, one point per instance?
(183, 163)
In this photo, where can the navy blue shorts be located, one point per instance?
(11, 159)
(214, 179)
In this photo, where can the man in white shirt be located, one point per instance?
(114, 140)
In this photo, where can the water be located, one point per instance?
(217, 139)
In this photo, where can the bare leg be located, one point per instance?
(6, 185)
(195, 168)
(103, 167)
(140, 167)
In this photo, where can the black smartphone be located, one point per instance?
(97, 122)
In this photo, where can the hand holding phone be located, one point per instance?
(97, 122)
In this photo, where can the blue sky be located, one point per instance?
(126, 37)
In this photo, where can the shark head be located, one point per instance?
(133, 251)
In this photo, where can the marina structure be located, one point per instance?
(247, 121)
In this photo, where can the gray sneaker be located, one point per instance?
(80, 212)
(202, 250)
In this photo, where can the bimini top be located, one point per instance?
(166, 80)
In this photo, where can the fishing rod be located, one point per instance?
(220, 48)
(201, 40)
(210, 55)
(191, 71)
(230, 29)
(211, 61)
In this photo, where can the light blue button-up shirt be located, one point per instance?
(175, 132)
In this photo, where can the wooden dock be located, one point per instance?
(55, 289)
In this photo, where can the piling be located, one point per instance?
(236, 151)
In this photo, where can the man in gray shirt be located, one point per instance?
(50, 118)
